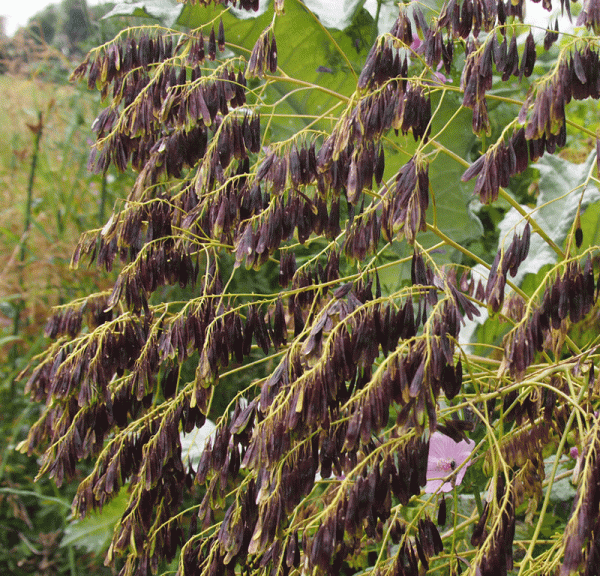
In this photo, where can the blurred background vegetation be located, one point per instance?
(48, 198)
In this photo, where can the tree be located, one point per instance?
(76, 21)
(47, 20)
(301, 261)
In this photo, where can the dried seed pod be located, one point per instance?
(528, 59)
(441, 517)
(551, 35)
(212, 45)
(272, 57)
(221, 36)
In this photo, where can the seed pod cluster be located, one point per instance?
(476, 77)
(590, 16)
(67, 320)
(256, 240)
(263, 58)
(181, 146)
(543, 114)
(504, 263)
(383, 63)
(115, 61)
(366, 507)
(571, 297)
(498, 555)
(362, 237)
(503, 160)
(160, 105)
(462, 19)
(518, 448)
(579, 545)
(405, 204)
(401, 105)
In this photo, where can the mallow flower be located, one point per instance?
(445, 456)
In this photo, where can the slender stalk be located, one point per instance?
(103, 195)
(26, 226)
(34, 157)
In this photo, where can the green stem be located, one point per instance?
(27, 222)
(534, 225)
(103, 195)
(559, 451)
(26, 226)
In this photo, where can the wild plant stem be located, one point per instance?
(103, 194)
(559, 450)
(26, 225)
(34, 157)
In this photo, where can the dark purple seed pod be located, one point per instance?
(474, 169)
(212, 45)
(447, 56)
(221, 36)
(441, 517)
(369, 67)
(512, 60)
(551, 36)
(528, 60)
(578, 237)
(294, 166)
(200, 48)
(272, 58)
(466, 19)
(379, 165)
(402, 28)
(240, 89)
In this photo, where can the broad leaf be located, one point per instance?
(95, 531)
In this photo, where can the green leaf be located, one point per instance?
(562, 490)
(95, 531)
(561, 186)
(41, 497)
(453, 198)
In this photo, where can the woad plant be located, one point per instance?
(372, 259)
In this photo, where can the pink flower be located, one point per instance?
(445, 456)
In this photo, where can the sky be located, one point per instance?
(18, 12)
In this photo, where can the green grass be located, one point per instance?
(66, 200)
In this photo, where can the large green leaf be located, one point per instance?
(450, 207)
(453, 198)
(562, 186)
(307, 51)
(95, 530)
